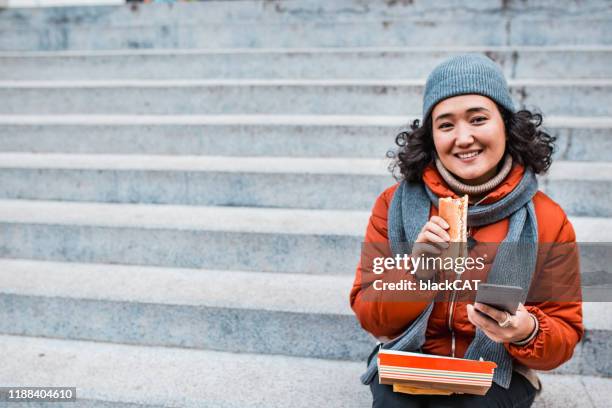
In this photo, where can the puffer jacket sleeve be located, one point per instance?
(381, 313)
(559, 318)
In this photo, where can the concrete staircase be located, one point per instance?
(180, 224)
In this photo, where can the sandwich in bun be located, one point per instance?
(454, 212)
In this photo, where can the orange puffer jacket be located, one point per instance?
(561, 325)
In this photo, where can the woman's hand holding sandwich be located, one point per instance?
(431, 240)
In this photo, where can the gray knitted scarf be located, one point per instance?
(513, 264)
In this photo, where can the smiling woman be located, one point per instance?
(472, 141)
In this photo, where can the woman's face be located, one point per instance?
(469, 136)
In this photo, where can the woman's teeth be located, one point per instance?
(468, 155)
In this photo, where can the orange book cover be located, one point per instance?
(435, 372)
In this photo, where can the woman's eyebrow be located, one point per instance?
(477, 109)
(470, 110)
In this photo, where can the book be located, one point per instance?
(417, 373)
(407, 389)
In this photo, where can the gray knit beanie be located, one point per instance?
(466, 74)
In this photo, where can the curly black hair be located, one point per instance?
(527, 143)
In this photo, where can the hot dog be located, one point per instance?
(454, 212)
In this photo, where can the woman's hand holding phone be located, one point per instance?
(488, 319)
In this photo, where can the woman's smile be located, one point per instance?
(468, 157)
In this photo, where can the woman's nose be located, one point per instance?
(464, 135)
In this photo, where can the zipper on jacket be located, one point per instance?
(451, 308)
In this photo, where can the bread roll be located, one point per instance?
(454, 212)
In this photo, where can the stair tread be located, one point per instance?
(196, 377)
(262, 119)
(178, 286)
(309, 50)
(236, 219)
(231, 164)
(163, 83)
(319, 294)
(142, 374)
(560, 170)
(242, 219)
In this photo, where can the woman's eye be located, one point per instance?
(444, 125)
(479, 119)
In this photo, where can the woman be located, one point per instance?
(473, 142)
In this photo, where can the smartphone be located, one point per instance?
(501, 297)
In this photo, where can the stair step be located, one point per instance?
(214, 310)
(236, 311)
(288, 182)
(126, 374)
(579, 138)
(287, 240)
(586, 97)
(311, 63)
(305, 24)
(136, 374)
(240, 11)
(254, 239)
